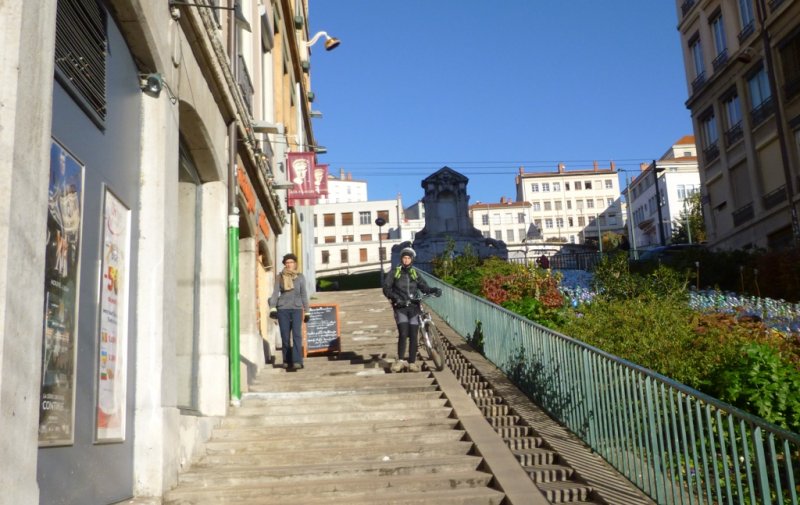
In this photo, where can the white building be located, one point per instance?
(347, 239)
(678, 178)
(343, 189)
(571, 206)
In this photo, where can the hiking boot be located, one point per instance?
(398, 366)
(413, 367)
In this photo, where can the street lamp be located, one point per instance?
(380, 222)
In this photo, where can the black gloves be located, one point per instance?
(306, 317)
(437, 292)
(273, 313)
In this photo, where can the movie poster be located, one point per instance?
(62, 262)
(113, 327)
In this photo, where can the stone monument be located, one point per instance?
(447, 218)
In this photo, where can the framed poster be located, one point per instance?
(61, 289)
(113, 321)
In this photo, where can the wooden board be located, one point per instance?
(323, 329)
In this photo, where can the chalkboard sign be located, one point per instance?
(322, 329)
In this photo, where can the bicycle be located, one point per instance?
(430, 336)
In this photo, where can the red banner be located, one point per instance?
(321, 180)
(301, 174)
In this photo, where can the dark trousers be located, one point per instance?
(407, 329)
(290, 322)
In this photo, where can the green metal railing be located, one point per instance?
(675, 443)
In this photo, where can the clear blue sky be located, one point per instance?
(484, 86)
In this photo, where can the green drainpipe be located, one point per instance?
(233, 307)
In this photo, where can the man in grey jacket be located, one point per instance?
(289, 305)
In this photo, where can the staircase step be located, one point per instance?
(354, 442)
(456, 488)
(549, 473)
(255, 406)
(535, 457)
(343, 428)
(565, 492)
(520, 443)
(333, 417)
(300, 474)
(314, 455)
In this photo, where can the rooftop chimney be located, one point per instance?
(643, 166)
(595, 166)
(613, 167)
(521, 170)
(341, 174)
(561, 168)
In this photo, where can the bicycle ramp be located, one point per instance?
(346, 431)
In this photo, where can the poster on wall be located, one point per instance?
(301, 173)
(113, 324)
(61, 288)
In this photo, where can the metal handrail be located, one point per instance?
(675, 443)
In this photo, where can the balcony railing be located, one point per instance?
(698, 82)
(245, 84)
(734, 134)
(747, 30)
(720, 60)
(711, 153)
(743, 214)
(675, 443)
(686, 6)
(763, 111)
(775, 197)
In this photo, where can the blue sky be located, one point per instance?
(486, 86)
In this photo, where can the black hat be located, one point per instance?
(289, 256)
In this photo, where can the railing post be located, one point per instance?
(588, 396)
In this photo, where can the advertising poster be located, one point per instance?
(301, 173)
(321, 180)
(60, 337)
(113, 327)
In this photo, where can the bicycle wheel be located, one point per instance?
(424, 343)
(437, 349)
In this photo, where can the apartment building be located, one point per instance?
(742, 63)
(343, 188)
(658, 194)
(347, 238)
(573, 206)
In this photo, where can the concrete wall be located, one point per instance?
(25, 103)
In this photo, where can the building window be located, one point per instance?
(538, 223)
(566, 186)
(708, 132)
(347, 219)
(366, 237)
(548, 223)
(720, 45)
(599, 203)
(537, 206)
(558, 204)
(761, 103)
(486, 234)
(581, 221)
(746, 18)
(498, 234)
(570, 222)
(384, 214)
(329, 219)
(556, 186)
(362, 255)
(496, 218)
(569, 204)
(485, 219)
(587, 185)
(510, 236)
(545, 186)
(577, 185)
(579, 204)
(326, 257)
(733, 118)
(365, 217)
(520, 217)
(590, 204)
(343, 254)
(547, 206)
(609, 202)
(609, 184)
(696, 50)
(330, 239)
(790, 63)
(347, 238)
(560, 222)
(535, 187)
(522, 235)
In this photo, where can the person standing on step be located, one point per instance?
(289, 305)
(401, 287)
